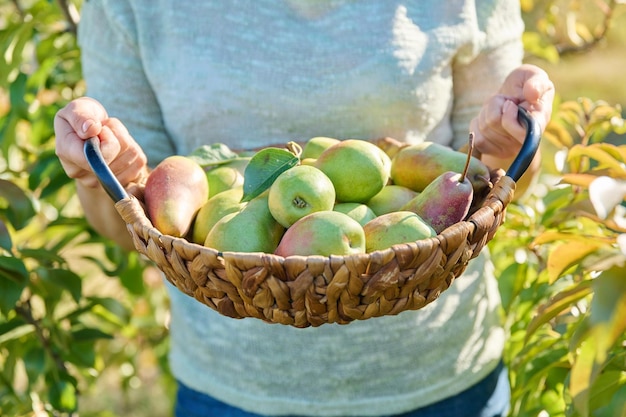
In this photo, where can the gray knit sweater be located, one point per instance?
(249, 73)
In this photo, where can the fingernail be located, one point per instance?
(87, 125)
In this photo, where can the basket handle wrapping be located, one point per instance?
(115, 190)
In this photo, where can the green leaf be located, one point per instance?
(608, 309)
(111, 310)
(66, 280)
(63, 395)
(5, 237)
(615, 406)
(14, 329)
(13, 279)
(583, 374)
(264, 167)
(131, 276)
(605, 388)
(559, 303)
(214, 154)
(35, 363)
(20, 208)
(89, 334)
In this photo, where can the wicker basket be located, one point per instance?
(304, 291)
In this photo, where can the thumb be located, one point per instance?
(84, 116)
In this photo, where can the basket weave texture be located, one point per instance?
(305, 291)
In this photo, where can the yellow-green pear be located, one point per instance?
(223, 178)
(252, 229)
(391, 198)
(214, 209)
(314, 147)
(395, 228)
(416, 166)
(357, 168)
(358, 211)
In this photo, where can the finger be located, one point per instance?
(511, 125)
(84, 115)
(499, 132)
(130, 161)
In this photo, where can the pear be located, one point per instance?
(252, 229)
(213, 210)
(323, 233)
(447, 199)
(358, 211)
(223, 178)
(314, 147)
(174, 192)
(416, 166)
(394, 228)
(390, 198)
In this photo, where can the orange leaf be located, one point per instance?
(568, 254)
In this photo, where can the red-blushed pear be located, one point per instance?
(214, 209)
(446, 200)
(252, 229)
(390, 198)
(358, 211)
(323, 233)
(174, 192)
(394, 228)
(416, 166)
(357, 168)
(298, 191)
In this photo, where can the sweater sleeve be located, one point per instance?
(114, 74)
(479, 71)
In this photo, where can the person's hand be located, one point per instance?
(497, 131)
(84, 118)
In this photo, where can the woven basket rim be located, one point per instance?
(468, 222)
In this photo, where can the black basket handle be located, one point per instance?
(521, 163)
(530, 146)
(104, 174)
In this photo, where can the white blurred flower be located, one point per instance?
(621, 242)
(560, 157)
(605, 193)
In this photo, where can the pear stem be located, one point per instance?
(470, 151)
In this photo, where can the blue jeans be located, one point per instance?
(488, 398)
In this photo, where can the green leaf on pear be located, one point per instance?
(214, 154)
(264, 167)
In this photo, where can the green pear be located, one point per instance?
(323, 233)
(390, 198)
(314, 147)
(252, 229)
(358, 211)
(416, 166)
(214, 209)
(444, 202)
(357, 168)
(223, 178)
(298, 191)
(395, 228)
(174, 192)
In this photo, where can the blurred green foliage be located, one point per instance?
(80, 331)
